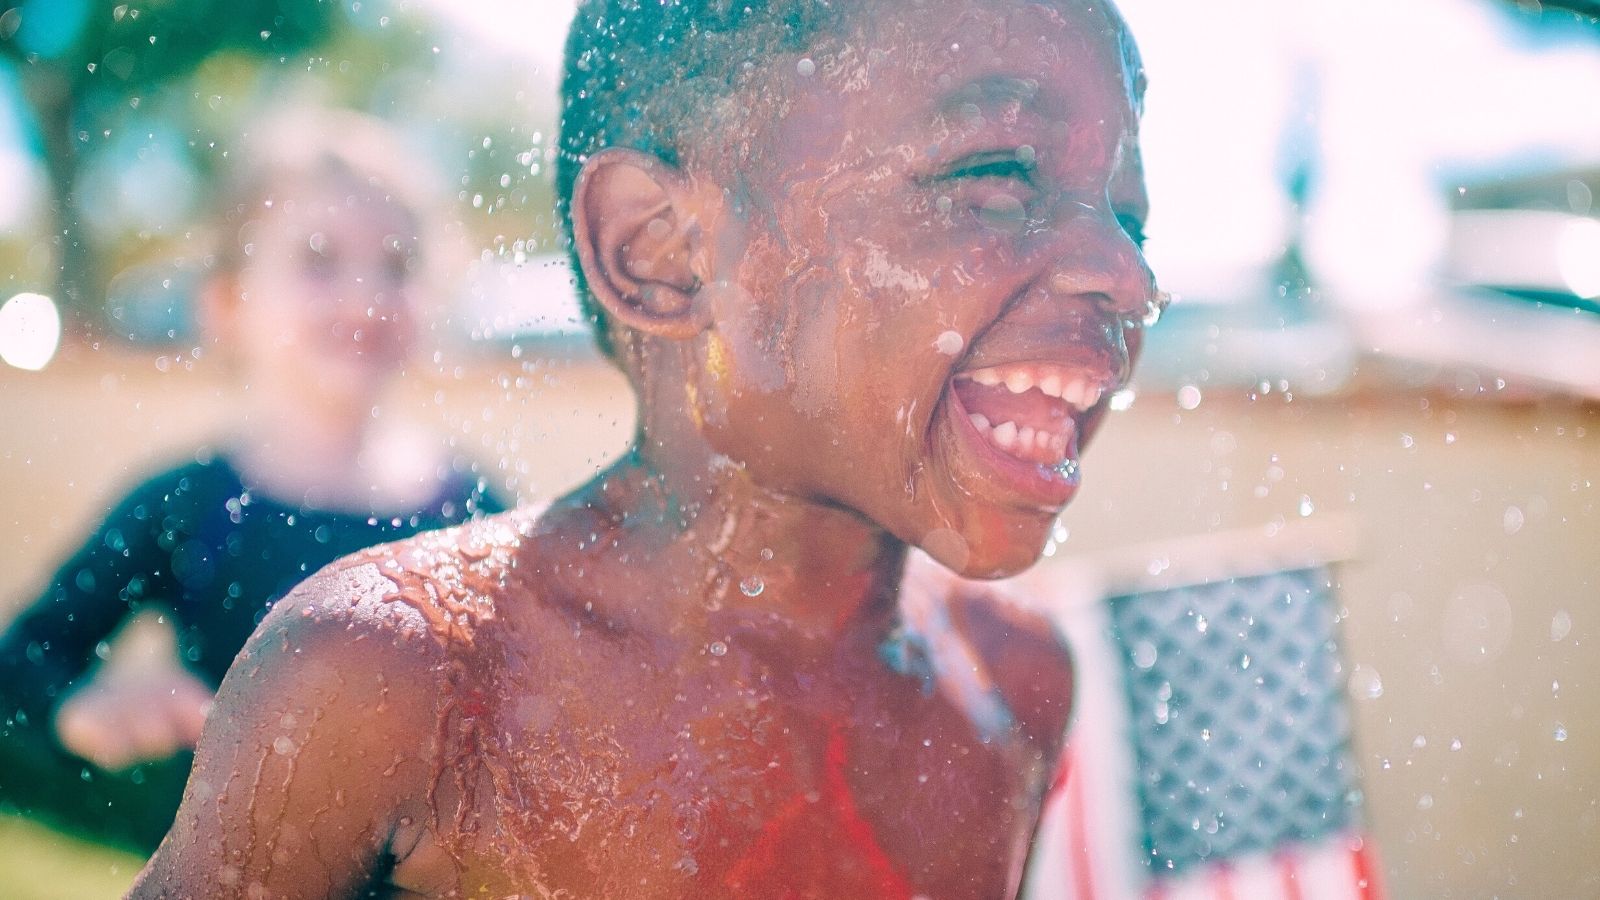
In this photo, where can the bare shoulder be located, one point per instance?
(1024, 652)
(447, 585)
(322, 745)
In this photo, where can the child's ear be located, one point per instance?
(636, 239)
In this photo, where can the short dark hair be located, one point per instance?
(645, 74)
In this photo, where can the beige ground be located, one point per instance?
(1473, 596)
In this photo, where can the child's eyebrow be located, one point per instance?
(990, 91)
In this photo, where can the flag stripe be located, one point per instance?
(1366, 877)
(1290, 873)
(1077, 829)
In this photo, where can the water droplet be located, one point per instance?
(1200, 623)
(1513, 520)
(718, 648)
(1003, 212)
(1425, 801)
(1455, 744)
(1144, 654)
(1580, 197)
(949, 343)
(1561, 732)
(1365, 682)
(1306, 506)
(1560, 625)
(806, 67)
(1189, 397)
(283, 746)
(752, 586)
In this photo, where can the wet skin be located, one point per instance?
(711, 672)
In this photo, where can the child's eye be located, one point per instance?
(397, 266)
(1005, 164)
(996, 187)
(1134, 228)
(320, 264)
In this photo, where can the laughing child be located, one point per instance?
(873, 269)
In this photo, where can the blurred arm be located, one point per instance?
(51, 644)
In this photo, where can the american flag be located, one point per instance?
(1210, 758)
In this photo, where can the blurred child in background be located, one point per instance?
(311, 297)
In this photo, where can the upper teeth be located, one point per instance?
(1073, 387)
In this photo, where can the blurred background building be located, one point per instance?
(1381, 220)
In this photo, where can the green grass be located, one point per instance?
(37, 863)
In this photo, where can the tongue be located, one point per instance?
(1031, 408)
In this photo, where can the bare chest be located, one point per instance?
(632, 790)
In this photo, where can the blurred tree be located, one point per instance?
(78, 59)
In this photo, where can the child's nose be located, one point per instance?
(1093, 256)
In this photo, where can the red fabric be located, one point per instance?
(826, 842)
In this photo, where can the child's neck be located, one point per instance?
(714, 552)
(336, 459)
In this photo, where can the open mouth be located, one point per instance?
(1028, 421)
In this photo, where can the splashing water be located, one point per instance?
(949, 343)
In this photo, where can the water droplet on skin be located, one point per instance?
(947, 546)
(1306, 506)
(1003, 212)
(718, 648)
(1455, 744)
(1068, 471)
(283, 746)
(1561, 732)
(752, 586)
(1513, 520)
(949, 343)
(1425, 801)
(806, 67)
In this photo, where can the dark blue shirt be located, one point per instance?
(198, 543)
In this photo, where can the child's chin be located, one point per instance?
(984, 560)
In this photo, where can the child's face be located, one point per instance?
(936, 243)
(324, 295)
